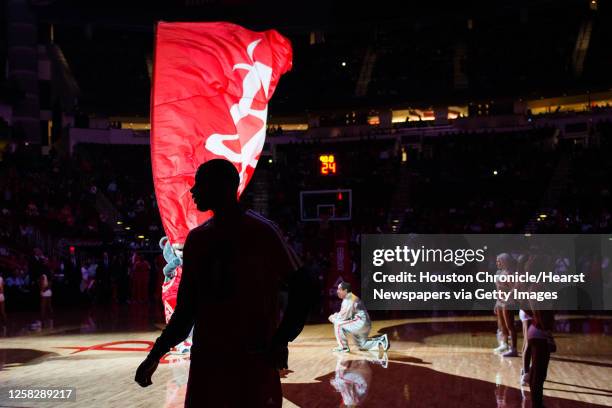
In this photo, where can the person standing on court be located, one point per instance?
(234, 267)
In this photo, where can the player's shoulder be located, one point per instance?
(205, 226)
(270, 233)
(201, 231)
(256, 220)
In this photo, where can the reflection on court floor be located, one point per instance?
(432, 362)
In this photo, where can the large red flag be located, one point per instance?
(211, 87)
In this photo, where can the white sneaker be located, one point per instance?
(524, 377)
(384, 361)
(503, 347)
(511, 353)
(385, 342)
(341, 349)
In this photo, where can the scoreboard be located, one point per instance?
(328, 164)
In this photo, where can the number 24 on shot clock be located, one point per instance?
(328, 164)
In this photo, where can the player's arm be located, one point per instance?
(300, 297)
(345, 311)
(182, 319)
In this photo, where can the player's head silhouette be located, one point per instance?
(216, 186)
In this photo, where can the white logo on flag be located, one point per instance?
(258, 77)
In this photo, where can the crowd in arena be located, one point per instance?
(89, 221)
(55, 229)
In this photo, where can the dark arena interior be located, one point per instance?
(385, 157)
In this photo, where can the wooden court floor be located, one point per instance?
(433, 362)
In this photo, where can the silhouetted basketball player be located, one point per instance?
(234, 267)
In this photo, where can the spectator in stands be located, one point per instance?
(19, 281)
(140, 280)
(3, 319)
(119, 279)
(38, 264)
(87, 280)
(103, 278)
(46, 308)
(72, 275)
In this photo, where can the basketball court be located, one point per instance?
(432, 362)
